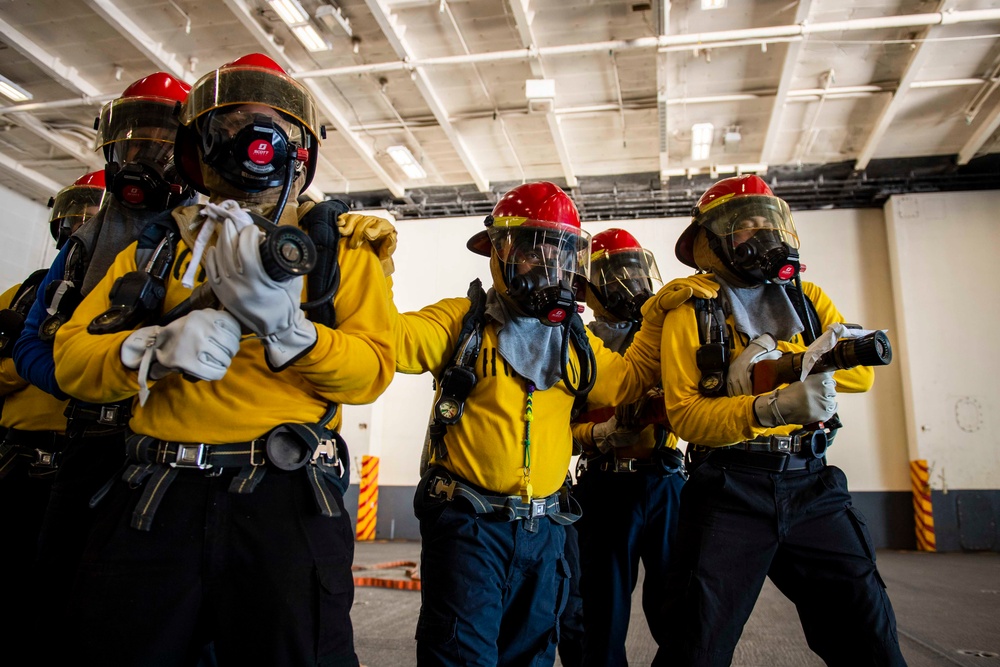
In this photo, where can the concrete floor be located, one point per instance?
(947, 609)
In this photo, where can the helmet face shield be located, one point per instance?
(79, 202)
(230, 86)
(134, 118)
(624, 279)
(151, 151)
(736, 221)
(560, 251)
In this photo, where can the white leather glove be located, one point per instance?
(267, 307)
(739, 379)
(200, 345)
(610, 435)
(811, 400)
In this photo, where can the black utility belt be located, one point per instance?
(40, 450)
(776, 453)
(810, 442)
(559, 507)
(83, 414)
(287, 447)
(665, 461)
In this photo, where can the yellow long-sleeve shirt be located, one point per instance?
(486, 447)
(727, 420)
(352, 363)
(25, 406)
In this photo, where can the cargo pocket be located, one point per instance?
(438, 635)
(335, 643)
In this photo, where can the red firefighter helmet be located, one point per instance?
(540, 207)
(729, 204)
(147, 110)
(75, 204)
(253, 79)
(616, 256)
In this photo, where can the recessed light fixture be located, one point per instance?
(402, 156)
(292, 13)
(713, 4)
(15, 92)
(701, 140)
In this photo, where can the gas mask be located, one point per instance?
(537, 271)
(624, 298)
(766, 258)
(250, 151)
(141, 175)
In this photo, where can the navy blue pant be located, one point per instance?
(740, 524)
(627, 517)
(491, 591)
(571, 621)
(263, 575)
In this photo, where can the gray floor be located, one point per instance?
(947, 609)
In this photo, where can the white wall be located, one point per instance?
(945, 279)
(25, 242)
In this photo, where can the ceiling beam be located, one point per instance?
(244, 14)
(918, 56)
(140, 39)
(74, 149)
(66, 76)
(980, 136)
(662, 18)
(523, 17)
(784, 84)
(45, 185)
(388, 22)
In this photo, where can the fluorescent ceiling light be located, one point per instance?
(540, 89)
(701, 140)
(15, 92)
(713, 4)
(310, 38)
(404, 158)
(290, 11)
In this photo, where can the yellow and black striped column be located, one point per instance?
(368, 499)
(922, 515)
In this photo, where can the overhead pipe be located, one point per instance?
(702, 40)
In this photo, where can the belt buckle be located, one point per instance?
(327, 450)
(781, 443)
(191, 456)
(537, 507)
(443, 489)
(44, 459)
(109, 415)
(625, 465)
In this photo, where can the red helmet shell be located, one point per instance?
(724, 190)
(255, 60)
(614, 240)
(540, 204)
(94, 179)
(159, 84)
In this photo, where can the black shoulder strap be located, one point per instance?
(77, 260)
(713, 355)
(25, 295)
(12, 318)
(458, 377)
(324, 280)
(806, 310)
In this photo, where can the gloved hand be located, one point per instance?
(267, 307)
(811, 400)
(610, 435)
(739, 378)
(358, 229)
(201, 345)
(675, 293)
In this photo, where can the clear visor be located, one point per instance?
(77, 201)
(231, 121)
(738, 220)
(562, 250)
(251, 86)
(628, 268)
(132, 151)
(137, 118)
